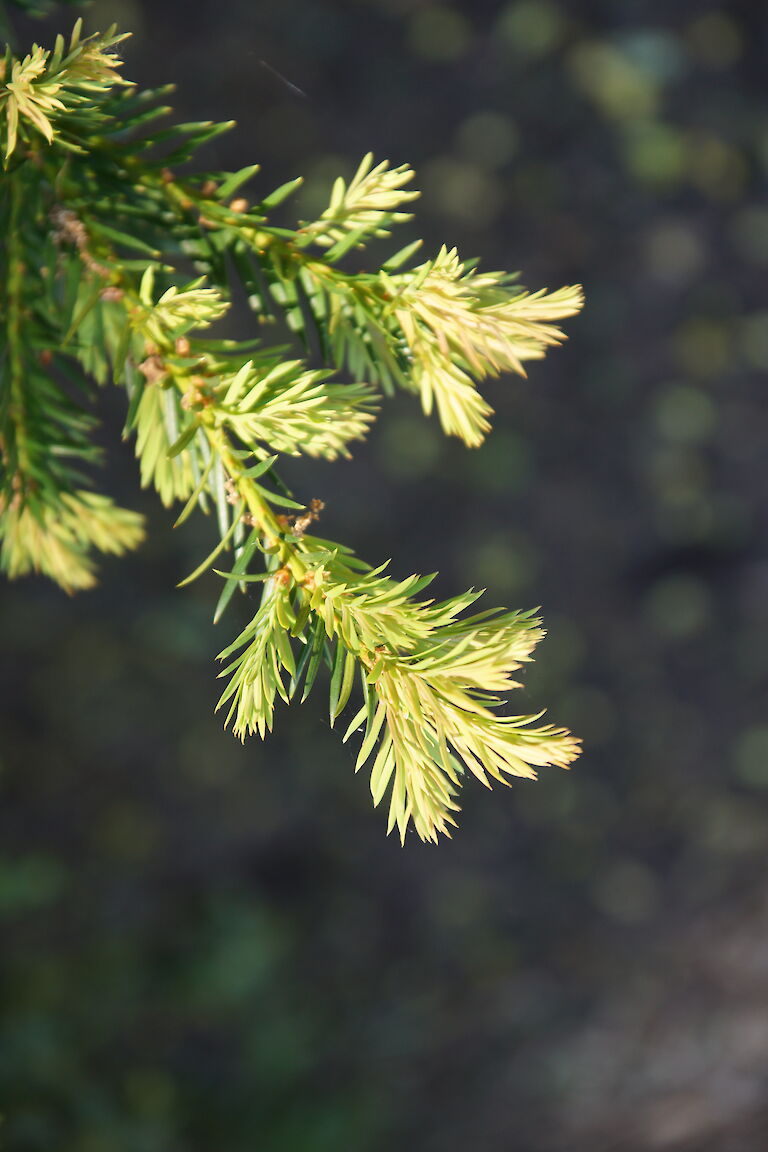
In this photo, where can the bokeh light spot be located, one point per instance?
(655, 153)
(679, 606)
(715, 40)
(409, 448)
(754, 339)
(715, 166)
(674, 252)
(654, 51)
(685, 414)
(490, 139)
(505, 562)
(532, 27)
(626, 892)
(615, 84)
(751, 756)
(702, 347)
(455, 188)
(749, 229)
(439, 33)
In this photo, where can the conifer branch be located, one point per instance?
(97, 220)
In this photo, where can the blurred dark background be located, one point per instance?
(214, 947)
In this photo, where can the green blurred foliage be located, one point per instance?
(211, 946)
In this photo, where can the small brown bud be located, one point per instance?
(183, 347)
(112, 292)
(209, 188)
(45, 357)
(196, 395)
(239, 204)
(167, 176)
(282, 577)
(154, 369)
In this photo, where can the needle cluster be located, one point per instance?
(97, 221)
